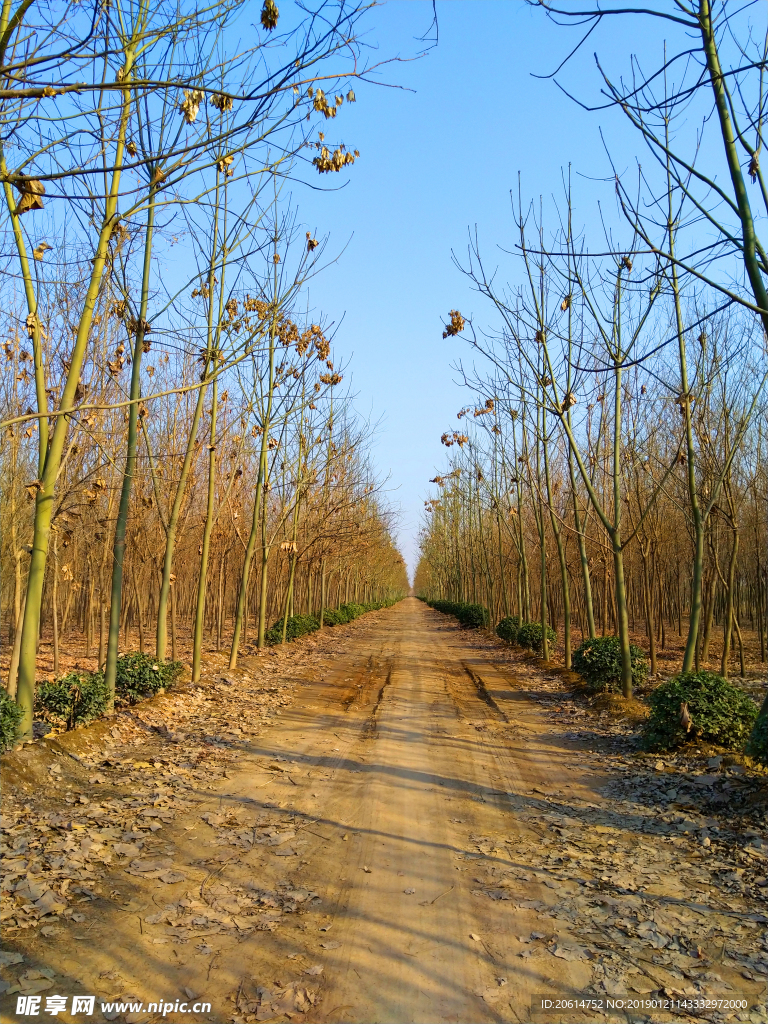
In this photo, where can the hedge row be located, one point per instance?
(300, 625)
(80, 697)
(525, 634)
(471, 616)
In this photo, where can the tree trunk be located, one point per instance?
(728, 621)
(202, 583)
(55, 607)
(102, 616)
(121, 525)
(648, 602)
(173, 623)
(139, 616)
(14, 666)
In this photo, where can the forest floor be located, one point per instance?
(390, 821)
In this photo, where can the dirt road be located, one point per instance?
(366, 858)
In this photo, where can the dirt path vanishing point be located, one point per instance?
(381, 853)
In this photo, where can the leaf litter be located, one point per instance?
(660, 888)
(101, 813)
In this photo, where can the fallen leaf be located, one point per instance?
(49, 903)
(151, 864)
(31, 988)
(568, 951)
(172, 877)
(31, 982)
(126, 849)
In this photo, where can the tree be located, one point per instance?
(133, 84)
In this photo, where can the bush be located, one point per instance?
(598, 662)
(529, 635)
(444, 607)
(352, 610)
(334, 617)
(298, 625)
(507, 629)
(140, 676)
(75, 699)
(80, 697)
(757, 746)
(471, 616)
(720, 713)
(10, 716)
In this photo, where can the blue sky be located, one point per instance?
(437, 160)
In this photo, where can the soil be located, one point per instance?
(390, 821)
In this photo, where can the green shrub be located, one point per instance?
(298, 625)
(140, 676)
(719, 712)
(598, 662)
(352, 610)
(507, 629)
(471, 616)
(529, 635)
(75, 699)
(334, 617)
(757, 746)
(374, 606)
(10, 716)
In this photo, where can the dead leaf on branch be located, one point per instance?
(31, 190)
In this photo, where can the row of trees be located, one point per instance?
(511, 522)
(624, 411)
(171, 441)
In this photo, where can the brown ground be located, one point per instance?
(393, 821)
